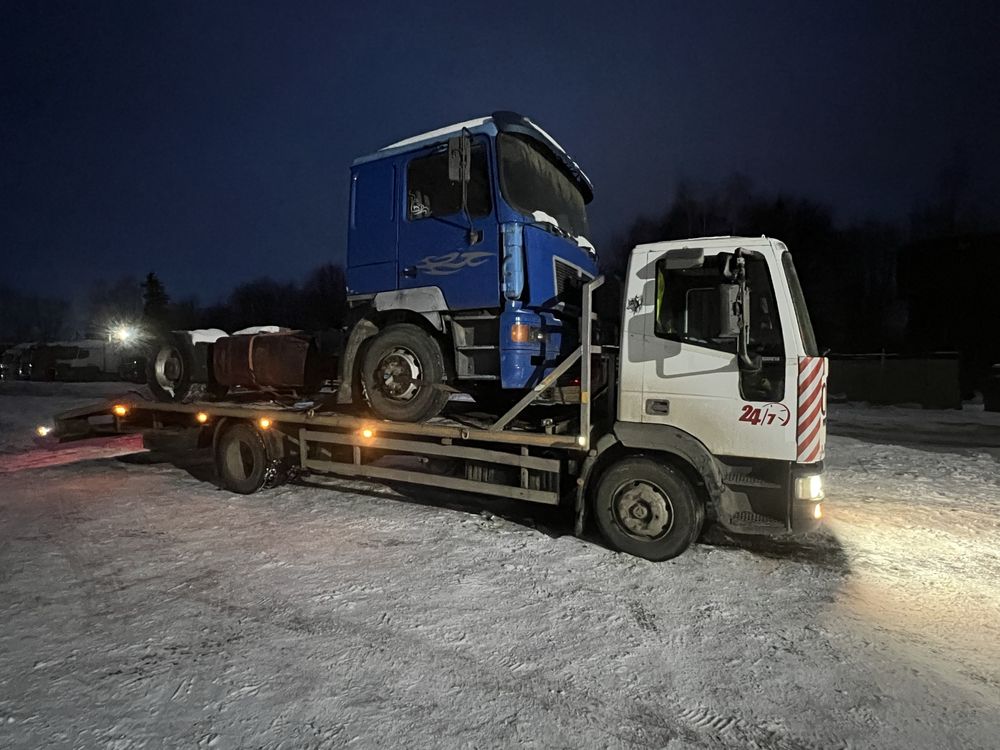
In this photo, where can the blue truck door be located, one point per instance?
(434, 247)
(371, 241)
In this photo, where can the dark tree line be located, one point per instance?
(318, 303)
(871, 286)
(849, 273)
(30, 317)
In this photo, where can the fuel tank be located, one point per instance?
(274, 360)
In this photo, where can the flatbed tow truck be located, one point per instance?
(699, 412)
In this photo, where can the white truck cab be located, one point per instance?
(718, 354)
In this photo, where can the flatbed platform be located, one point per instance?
(448, 427)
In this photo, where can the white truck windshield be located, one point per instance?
(801, 311)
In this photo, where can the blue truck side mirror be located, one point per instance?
(460, 170)
(460, 158)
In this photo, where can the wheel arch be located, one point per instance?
(273, 439)
(682, 451)
(370, 324)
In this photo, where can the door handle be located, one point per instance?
(409, 272)
(661, 408)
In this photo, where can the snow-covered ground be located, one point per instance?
(142, 607)
(970, 430)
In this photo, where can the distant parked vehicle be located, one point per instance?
(84, 360)
(88, 360)
(35, 363)
(132, 369)
(57, 359)
(10, 361)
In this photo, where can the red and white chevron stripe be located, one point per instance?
(810, 432)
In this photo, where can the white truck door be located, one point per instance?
(691, 379)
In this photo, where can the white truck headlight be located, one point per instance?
(809, 487)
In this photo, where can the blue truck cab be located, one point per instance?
(492, 278)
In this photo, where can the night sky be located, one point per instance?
(211, 141)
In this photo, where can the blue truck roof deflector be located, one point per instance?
(499, 122)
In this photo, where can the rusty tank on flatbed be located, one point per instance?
(271, 360)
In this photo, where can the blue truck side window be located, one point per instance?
(431, 193)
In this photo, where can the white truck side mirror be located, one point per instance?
(729, 321)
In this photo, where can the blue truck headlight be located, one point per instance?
(512, 268)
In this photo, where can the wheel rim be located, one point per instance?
(168, 368)
(642, 510)
(396, 372)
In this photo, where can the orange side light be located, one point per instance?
(264, 423)
(520, 333)
(201, 417)
(119, 410)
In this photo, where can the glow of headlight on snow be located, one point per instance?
(919, 568)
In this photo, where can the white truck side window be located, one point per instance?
(692, 306)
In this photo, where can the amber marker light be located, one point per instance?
(42, 430)
(367, 433)
(520, 333)
(264, 423)
(119, 410)
(201, 417)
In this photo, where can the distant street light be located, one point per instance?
(124, 334)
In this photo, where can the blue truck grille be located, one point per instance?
(568, 282)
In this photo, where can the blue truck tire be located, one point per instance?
(402, 371)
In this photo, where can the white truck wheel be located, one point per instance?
(647, 508)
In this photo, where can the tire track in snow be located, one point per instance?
(731, 731)
(697, 724)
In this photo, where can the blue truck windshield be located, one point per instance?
(532, 182)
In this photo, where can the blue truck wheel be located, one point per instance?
(400, 369)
